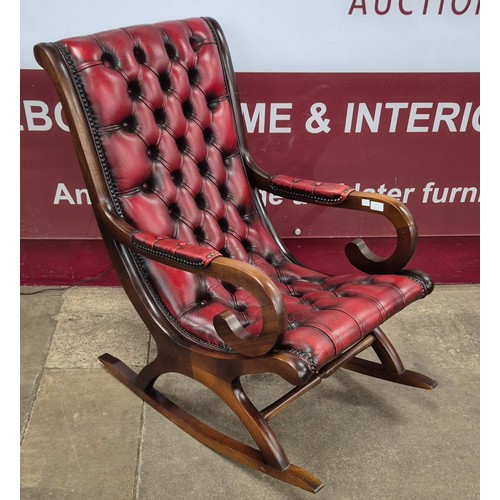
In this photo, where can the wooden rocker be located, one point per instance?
(155, 117)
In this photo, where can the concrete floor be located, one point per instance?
(86, 436)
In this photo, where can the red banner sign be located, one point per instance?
(414, 136)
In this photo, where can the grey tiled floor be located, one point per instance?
(85, 436)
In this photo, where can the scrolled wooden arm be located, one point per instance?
(357, 251)
(269, 298)
(233, 271)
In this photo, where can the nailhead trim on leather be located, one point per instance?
(173, 258)
(307, 357)
(417, 280)
(92, 123)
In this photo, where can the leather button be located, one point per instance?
(193, 75)
(153, 151)
(224, 225)
(134, 89)
(182, 144)
(109, 60)
(195, 42)
(199, 234)
(286, 280)
(165, 82)
(212, 102)
(208, 135)
(177, 177)
(160, 117)
(224, 192)
(203, 168)
(174, 210)
(232, 289)
(200, 201)
(139, 55)
(245, 217)
(188, 109)
(247, 244)
(171, 50)
(227, 159)
(130, 123)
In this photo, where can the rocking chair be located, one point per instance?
(155, 117)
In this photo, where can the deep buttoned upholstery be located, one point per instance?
(164, 127)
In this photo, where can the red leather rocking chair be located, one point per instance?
(155, 118)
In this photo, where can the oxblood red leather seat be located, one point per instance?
(155, 116)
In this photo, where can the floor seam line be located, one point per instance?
(137, 477)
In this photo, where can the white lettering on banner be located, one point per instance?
(394, 192)
(364, 114)
(422, 117)
(63, 195)
(38, 119)
(275, 200)
(316, 123)
(348, 117)
(275, 117)
(418, 7)
(396, 107)
(449, 194)
(258, 118)
(430, 193)
(416, 117)
(36, 112)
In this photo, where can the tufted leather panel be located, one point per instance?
(166, 135)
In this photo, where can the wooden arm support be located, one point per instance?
(236, 272)
(357, 251)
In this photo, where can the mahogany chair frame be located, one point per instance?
(221, 372)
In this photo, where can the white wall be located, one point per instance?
(288, 35)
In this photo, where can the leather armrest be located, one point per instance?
(326, 193)
(178, 252)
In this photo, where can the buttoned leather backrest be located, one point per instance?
(167, 141)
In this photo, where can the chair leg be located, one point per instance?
(149, 374)
(269, 458)
(390, 367)
(235, 397)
